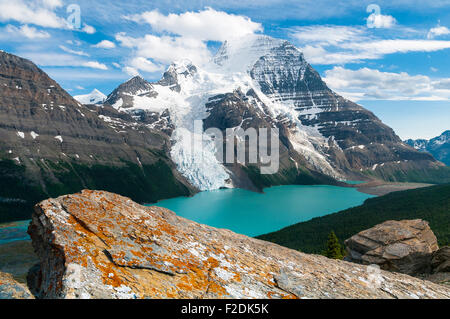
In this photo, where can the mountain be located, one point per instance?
(139, 142)
(50, 144)
(439, 146)
(95, 97)
(258, 81)
(430, 203)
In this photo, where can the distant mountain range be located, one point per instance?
(137, 141)
(439, 146)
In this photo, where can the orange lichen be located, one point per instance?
(156, 254)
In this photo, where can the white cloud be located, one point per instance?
(319, 55)
(330, 45)
(181, 36)
(437, 31)
(52, 4)
(49, 59)
(382, 47)
(130, 71)
(74, 42)
(27, 31)
(31, 12)
(105, 44)
(88, 29)
(369, 84)
(166, 49)
(95, 65)
(328, 34)
(116, 65)
(37, 12)
(206, 25)
(381, 21)
(66, 49)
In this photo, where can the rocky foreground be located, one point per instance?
(100, 245)
(11, 289)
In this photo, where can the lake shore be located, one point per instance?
(380, 188)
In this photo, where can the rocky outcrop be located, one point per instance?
(11, 289)
(100, 245)
(123, 95)
(403, 246)
(441, 260)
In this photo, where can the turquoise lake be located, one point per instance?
(245, 212)
(14, 232)
(253, 214)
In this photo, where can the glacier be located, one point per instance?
(240, 64)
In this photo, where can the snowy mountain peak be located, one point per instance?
(277, 88)
(240, 54)
(136, 84)
(95, 97)
(123, 96)
(171, 78)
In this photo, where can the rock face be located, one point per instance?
(402, 246)
(258, 81)
(441, 260)
(11, 289)
(100, 245)
(123, 96)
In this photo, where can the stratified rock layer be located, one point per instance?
(405, 246)
(11, 289)
(101, 245)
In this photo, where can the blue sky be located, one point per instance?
(392, 57)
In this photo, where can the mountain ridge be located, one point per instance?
(268, 79)
(50, 144)
(438, 146)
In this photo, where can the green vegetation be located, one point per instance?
(146, 184)
(290, 176)
(440, 175)
(431, 204)
(334, 249)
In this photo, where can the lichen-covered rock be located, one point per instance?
(11, 289)
(403, 246)
(100, 245)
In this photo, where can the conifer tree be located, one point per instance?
(334, 248)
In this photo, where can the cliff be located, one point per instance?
(51, 145)
(100, 245)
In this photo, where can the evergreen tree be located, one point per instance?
(334, 248)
